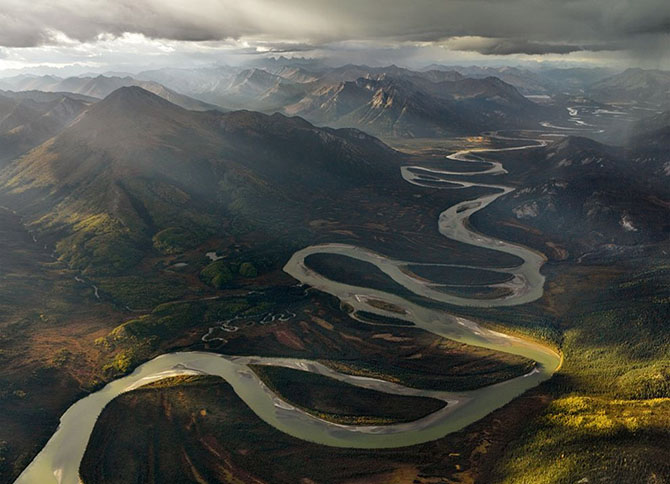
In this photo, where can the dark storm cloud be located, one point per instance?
(489, 46)
(652, 26)
(509, 26)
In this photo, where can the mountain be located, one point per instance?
(235, 88)
(416, 107)
(47, 96)
(386, 101)
(269, 92)
(526, 81)
(388, 107)
(101, 86)
(650, 145)
(352, 72)
(192, 82)
(272, 87)
(275, 64)
(297, 74)
(134, 165)
(258, 89)
(652, 133)
(586, 196)
(252, 83)
(26, 82)
(438, 75)
(29, 118)
(639, 86)
(535, 82)
(575, 79)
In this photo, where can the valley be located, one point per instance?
(467, 407)
(213, 282)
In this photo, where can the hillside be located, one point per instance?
(28, 119)
(646, 87)
(135, 164)
(418, 107)
(585, 196)
(652, 134)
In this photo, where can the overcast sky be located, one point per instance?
(135, 34)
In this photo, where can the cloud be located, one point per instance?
(542, 21)
(485, 27)
(493, 46)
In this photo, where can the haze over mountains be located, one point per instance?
(99, 87)
(645, 87)
(143, 156)
(390, 101)
(135, 164)
(386, 101)
(30, 117)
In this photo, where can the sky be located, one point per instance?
(70, 36)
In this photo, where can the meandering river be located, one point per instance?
(59, 460)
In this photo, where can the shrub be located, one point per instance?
(174, 240)
(217, 274)
(247, 269)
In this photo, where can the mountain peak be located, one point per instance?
(135, 92)
(577, 142)
(578, 149)
(133, 99)
(129, 113)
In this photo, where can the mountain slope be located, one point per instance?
(588, 197)
(418, 107)
(28, 119)
(135, 164)
(258, 89)
(649, 87)
(649, 146)
(526, 81)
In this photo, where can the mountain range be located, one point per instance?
(135, 164)
(391, 106)
(650, 88)
(386, 101)
(100, 87)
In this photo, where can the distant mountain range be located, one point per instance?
(386, 101)
(544, 81)
(646, 87)
(100, 87)
(101, 178)
(29, 118)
